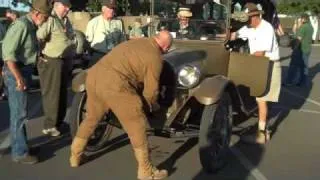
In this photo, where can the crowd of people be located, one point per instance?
(45, 38)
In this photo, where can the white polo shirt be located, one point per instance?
(262, 38)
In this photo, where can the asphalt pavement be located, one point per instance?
(293, 152)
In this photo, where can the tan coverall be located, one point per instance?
(113, 84)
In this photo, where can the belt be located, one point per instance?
(51, 58)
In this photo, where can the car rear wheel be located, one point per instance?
(215, 134)
(78, 113)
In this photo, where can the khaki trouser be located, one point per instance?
(54, 77)
(127, 106)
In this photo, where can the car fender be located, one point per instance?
(211, 89)
(79, 82)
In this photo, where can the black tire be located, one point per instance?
(215, 134)
(77, 115)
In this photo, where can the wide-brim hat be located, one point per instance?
(184, 12)
(253, 10)
(64, 2)
(109, 3)
(42, 6)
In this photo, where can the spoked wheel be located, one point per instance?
(215, 134)
(78, 113)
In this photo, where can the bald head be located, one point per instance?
(164, 40)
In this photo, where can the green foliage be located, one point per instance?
(94, 6)
(298, 7)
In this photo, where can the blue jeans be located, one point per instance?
(296, 68)
(305, 57)
(18, 112)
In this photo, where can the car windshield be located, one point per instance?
(192, 19)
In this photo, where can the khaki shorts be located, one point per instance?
(275, 86)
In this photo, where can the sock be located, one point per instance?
(262, 125)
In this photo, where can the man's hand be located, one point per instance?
(155, 107)
(259, 53)
(21, 86)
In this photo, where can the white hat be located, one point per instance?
(184, 12)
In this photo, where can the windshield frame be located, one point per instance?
(224, 3)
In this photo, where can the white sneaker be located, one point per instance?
(52, 132)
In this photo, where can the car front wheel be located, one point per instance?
(215, 134)
(78, 113)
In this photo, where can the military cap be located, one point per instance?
(252, 9)
(64, 2)
(109, 3)
(42, 6)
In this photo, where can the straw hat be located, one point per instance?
(184, 12)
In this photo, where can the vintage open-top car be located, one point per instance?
(201, 76)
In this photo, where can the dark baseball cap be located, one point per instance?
(109, 3)
(305, 16)
(64, 2)
(42, 6)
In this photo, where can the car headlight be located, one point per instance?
(189, 76)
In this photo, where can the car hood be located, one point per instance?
(177, 58)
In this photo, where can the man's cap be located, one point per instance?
(252, 9)
(184, 12)
(64, 2)
(42, 6)
(9, 10)
(112, 4)
(305, 16)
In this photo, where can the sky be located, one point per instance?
(20, 7)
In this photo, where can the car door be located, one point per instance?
(251, 75)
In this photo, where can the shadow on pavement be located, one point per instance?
(114, 144)
(169, 163)
(239, 166)
(46, 146)
(291, 98)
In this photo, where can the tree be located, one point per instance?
(298, 7)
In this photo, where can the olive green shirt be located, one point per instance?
(2, 34)
(20, 42)
(305, 33)
(58, 37)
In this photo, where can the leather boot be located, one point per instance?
(77, 148)
(261, 137)
(146, 171)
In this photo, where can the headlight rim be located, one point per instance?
(197, 71)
